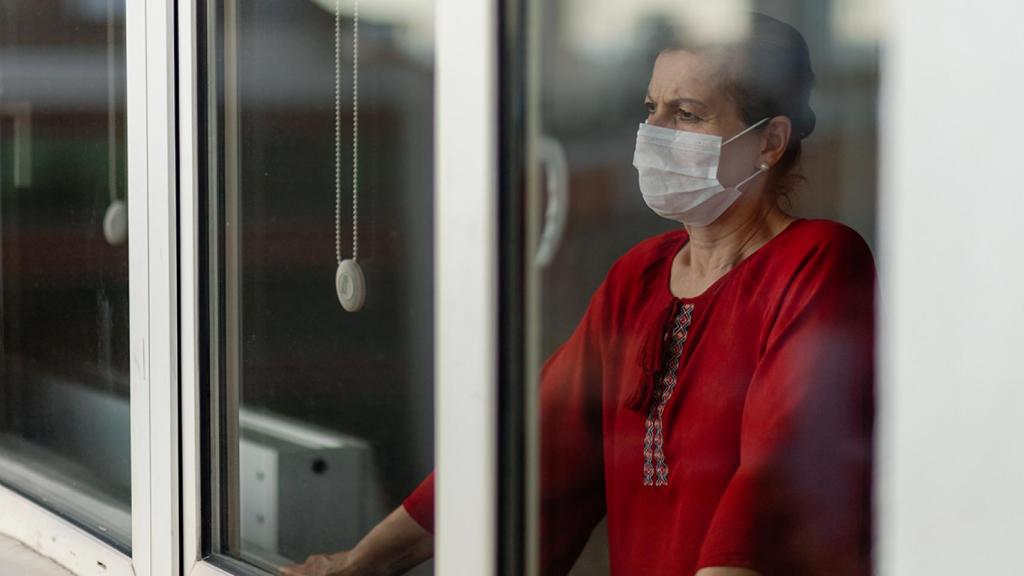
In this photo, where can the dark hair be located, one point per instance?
(767, 73)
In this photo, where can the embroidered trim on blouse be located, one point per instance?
(655, 467)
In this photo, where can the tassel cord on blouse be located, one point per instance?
(651, 357)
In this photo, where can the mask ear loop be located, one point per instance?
(751, 127)
(762, 167)
(349, 281)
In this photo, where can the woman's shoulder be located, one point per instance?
(815, 253)
(827, 239)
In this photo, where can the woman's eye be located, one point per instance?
(687, 115)
(650, 107)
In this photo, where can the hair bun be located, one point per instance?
(777, 72)
(804, 124)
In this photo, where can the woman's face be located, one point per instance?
(685, 93)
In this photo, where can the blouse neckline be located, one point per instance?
(724, 277)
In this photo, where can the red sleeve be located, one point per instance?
(572, 476)
(420, 504)
(572, 462)
(799, 501)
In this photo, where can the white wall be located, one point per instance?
(952, 279)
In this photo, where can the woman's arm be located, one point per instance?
(393, 547)
(572, 476)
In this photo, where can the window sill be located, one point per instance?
(17, 558)
(47, 535)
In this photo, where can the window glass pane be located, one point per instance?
(64, 418)
(325, 415)
(751, 375)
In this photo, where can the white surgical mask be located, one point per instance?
(679, 174)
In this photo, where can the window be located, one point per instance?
(190, 387)
(321, 418)
(64, 347)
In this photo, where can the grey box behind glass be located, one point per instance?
(303, 489)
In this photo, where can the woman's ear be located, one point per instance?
(775, 140)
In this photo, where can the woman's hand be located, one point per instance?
(723, 571)
(394, 546)
(322, 565)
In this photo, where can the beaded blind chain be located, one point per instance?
(349, 280)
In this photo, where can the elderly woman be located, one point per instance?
(716, 400)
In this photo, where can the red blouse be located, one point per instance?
(729, 429)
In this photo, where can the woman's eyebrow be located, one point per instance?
(677, 101)
(695, 103)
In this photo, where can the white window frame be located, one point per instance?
(189, 85)
(466, 285)
(153, 286)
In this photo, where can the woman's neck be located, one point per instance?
(714, 250)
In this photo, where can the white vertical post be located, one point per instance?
(952, 278)
(466, 285)
(153, 305)
(138, 276)
(189, 225)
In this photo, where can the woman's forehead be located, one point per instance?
(679, 74)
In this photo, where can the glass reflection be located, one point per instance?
(64, 417)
